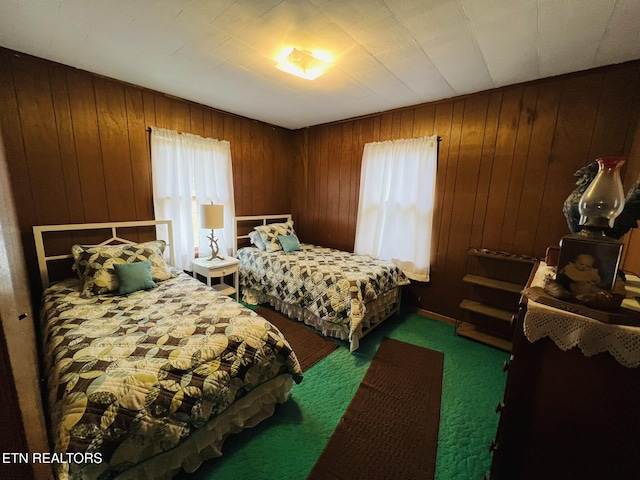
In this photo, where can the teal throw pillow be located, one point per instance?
(289, 243)
(133, 277)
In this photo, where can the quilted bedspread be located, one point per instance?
(332, 284)
(130, 377)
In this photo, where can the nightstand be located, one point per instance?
(218, 268)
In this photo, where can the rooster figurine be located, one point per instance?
(624, 222)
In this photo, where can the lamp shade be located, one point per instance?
(211, 216)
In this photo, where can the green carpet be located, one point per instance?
(287, 445)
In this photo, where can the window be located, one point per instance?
(395, 211)
(188, 171)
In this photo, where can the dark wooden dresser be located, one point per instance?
(566, 415)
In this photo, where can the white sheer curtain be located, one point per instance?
(188, 171)
(395, 212)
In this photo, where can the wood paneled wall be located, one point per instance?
(506, 164)
(78, 151)
(631, 252)
(78, 147)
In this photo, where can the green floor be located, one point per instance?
(287, 445)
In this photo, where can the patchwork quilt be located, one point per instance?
(332, 284)
(130, 377)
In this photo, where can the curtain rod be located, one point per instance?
(149, 129)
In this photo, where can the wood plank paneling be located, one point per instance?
(334, 184)
(631, 250)
(196, 122)
(300, 171)
(139, 153)
(162, 111)
(14, 147)
(66, 145)
(618, 97)
(40, 137)
(442, 205)
(321, 175)
(78, 147)
(518, 168)
(84, 118)
(115, 148)
(452, 224)
(501, 168)
(486, 160)
(469, 170)
(530, 218)
(345, 191)
(256, 148)
(423, 121)
(506, 164)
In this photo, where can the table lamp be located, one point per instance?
(212, 217)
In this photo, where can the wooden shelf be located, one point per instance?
(510, 257)
(470, 331)
(224, 289)
(493, 283)
(487, 310)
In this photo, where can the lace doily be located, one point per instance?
(568, 330)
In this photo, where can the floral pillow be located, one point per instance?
(269, 234)
(95, 264)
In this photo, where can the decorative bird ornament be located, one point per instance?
(570, 208)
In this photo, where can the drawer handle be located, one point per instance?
(507, 364)
(493, 446)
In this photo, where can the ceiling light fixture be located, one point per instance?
(303, 63)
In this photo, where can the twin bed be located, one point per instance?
(340, 294)
(144, 383)
(149, 370)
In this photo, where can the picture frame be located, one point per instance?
(587, 262)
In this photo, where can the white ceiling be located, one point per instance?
(390, 53)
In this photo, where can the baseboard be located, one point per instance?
(432, 315)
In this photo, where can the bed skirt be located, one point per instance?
(376, 312)
(206, 443)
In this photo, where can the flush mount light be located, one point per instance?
(303, 63)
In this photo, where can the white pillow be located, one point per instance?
(256, 240)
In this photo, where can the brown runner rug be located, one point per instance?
(310, 347)
(390, 428)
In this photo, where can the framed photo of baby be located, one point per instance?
(586, 265)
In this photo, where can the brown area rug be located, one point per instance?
(310, 347)
(390, 428)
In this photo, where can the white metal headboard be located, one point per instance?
(256, 220)
(44, 259)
